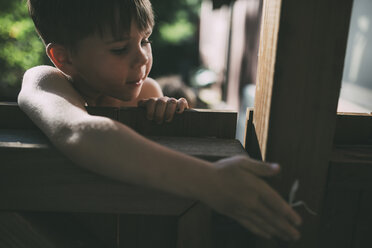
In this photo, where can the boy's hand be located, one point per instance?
(242, 195)
(163, 108)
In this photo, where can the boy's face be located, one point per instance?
(116, 68)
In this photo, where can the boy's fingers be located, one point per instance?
(142, 103)
(182, 105)
(161, 105)
(280, 207)
(170, 110)
(150, 105)
(260, 168)
(265, 225)
(254, 227)
(253, 166)
(280, 225)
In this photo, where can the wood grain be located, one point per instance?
(353, 129)
(36, 177)
(191, 123)
(12, 117)
(194, 227)
(300, 69)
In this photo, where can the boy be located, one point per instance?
(102, 56)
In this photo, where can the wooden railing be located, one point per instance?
(41, 190)
(346, 218)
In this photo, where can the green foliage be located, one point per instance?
(178, 31)
(175, 44)
(20, 47)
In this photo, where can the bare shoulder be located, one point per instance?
(38, 75)
(150, 88)
(49, 82)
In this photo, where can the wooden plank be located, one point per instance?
(363, 229)
(12, 117)
(44, 230)
(210, 149)
(192, 123)
(15, 232)
(346, 219)
(227, 233)
(37, 177)
(109, 112)
(339, 218)
(351, 168)
(103, 227)
(46, 181)
(353, 129)
(194, 228)
(300, 68)
(142, 231)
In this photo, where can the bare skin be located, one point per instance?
(231, 186)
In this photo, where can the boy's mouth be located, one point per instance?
(135, 82)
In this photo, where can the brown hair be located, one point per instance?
(66, 22)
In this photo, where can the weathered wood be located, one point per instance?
(300, 68)
(194, 227)
(46, 181)
(103, 227)
(12, 117)
(139, 231)
(37, 177)
(191, 123)
(339, 218)
(346, 219)
(353, 129)
(12, 226)
(351, 168)
(363, 229)
(44, 230)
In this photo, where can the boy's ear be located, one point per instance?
(61, 57)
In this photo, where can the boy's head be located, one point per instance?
(103, 46)
(66, 22)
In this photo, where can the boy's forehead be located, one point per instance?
(110, 36)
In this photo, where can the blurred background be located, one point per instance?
(175, 42)
(204, 50)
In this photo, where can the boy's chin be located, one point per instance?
(126, 98)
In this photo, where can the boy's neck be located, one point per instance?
(97, 99)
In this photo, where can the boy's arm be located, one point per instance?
(110, 148)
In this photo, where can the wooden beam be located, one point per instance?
(353, 129)
(300, 67)
(194, 227)
(36, 176)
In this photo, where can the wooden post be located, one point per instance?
(300, 66)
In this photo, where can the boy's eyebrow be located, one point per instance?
(127, 37)
(124, 38)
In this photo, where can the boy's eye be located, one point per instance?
(119, 51)
(146, 41)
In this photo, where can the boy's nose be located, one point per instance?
(141, 57)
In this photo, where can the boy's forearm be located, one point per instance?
(112, 149)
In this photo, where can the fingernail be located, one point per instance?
(274, 166)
